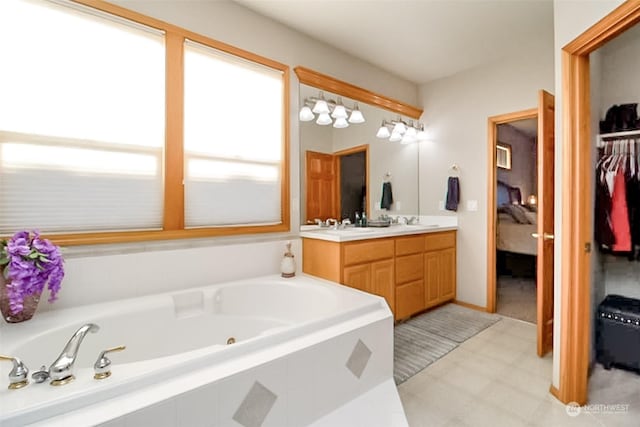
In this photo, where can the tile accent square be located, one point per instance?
(256, 406)
(359, 359)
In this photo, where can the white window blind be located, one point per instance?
(82, 120)
(233, 139)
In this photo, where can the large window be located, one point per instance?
(232, 138)
(110, 130)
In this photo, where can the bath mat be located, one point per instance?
(420, 341)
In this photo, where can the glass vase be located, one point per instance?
(29, 306)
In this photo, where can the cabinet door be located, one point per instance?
(409, 299)
(447, 266)
(431, 278)
(382, 281)
(358, 276)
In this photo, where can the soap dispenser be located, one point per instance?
(288, 264)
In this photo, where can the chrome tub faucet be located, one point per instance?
(61, 371)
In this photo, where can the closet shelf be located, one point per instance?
(604, 136)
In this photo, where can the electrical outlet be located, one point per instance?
(472, 205)
(398, 205)
(440, 205)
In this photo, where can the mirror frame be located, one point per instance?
(330, 84)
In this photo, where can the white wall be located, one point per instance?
(98, 273)
(456, 111)
(523, 161)
(570, 19)
(620, 65)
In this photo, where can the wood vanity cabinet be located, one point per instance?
(411, 272)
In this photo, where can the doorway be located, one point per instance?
(542, 232)
(516, 218)
(576, 204)
(336, 184)
(353, 184)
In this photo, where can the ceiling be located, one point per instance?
(419, 40)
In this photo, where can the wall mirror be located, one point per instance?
(342, 170)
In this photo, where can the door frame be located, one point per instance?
(492, 175)
(338, 154)
(575, 304)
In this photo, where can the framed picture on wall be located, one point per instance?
(503, 156)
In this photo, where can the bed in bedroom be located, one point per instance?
(515, 223)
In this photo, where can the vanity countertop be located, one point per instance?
(352, 233)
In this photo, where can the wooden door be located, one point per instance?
(321, 186)
(358, 276)
(382, 281)
(546, 108)
(431, 278)
(447, 285)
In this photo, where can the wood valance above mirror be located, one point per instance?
(331, 84)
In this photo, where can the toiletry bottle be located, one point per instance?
(357, 221)
(364, 219)
(288, 264)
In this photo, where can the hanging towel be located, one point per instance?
(453, 193)
(387, 196)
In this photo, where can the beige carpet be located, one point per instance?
(516, 298)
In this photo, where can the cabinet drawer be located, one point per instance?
(409, 245)
(435, 241)
(409, 268)
(371, 250)
(409, 299)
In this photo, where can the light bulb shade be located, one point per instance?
(339, 112)
(324, 119)
(340, 123)
(305, 114)
(321, 107)
(411, 132)
(532, 200)
(356, 115)
(407, 139)
(395, 137)
(422, 136)
(399, 128)
(383, 132)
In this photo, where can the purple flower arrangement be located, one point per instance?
(29, 263)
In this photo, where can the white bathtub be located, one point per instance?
(177, 343)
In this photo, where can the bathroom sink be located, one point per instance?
(354, 230)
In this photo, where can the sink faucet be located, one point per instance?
(332, 222)
(61, 371)
(410, 221)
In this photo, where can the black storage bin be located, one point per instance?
(618, 332)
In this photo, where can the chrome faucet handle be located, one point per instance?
(102, 367)
(40, 375)
(318, 221)
(19, 374)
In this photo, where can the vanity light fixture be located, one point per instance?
(323, 119)
(326, 109)
(399, 130)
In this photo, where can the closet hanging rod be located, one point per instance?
(606, 136)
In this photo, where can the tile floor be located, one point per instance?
(495, 379)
